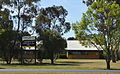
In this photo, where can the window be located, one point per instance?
(78, 52)
(28, 52)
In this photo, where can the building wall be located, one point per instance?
(88, 55)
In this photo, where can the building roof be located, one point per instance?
(75, 45)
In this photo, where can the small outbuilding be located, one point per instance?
(76, 51)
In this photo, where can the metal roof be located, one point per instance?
(75, 45)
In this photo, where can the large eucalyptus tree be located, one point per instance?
(100, 27)
(89, 2)
(50, 25)
(21, 13)
(52, 18)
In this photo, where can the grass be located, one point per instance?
(56, 73)
(71, 64)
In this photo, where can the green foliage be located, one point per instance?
(89, 2)
(53, 44)
(53, 18)
(26, 10)
(5, 22)
(16, 1)
(71, 38)
(5, 1)
(9, 37)
(100, 26)
(53, 40)
(7, 48)
(30, 1)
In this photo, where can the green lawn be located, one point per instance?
(72, 64)
(56, 73)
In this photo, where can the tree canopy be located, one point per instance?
(100, 26)
(17, 1)
(5, 22)
(53, 18)
(89, 2)
(53, 44)
(72, 38)
(21, 12)
(15, 18)
(50, 25)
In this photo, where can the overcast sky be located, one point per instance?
(75, 9)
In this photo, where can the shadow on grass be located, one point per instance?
(43, 64)
(47, 64)
(112, 69)
(2, 68)
(75, 63)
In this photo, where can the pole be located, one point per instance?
(21, 52)
(35, 51)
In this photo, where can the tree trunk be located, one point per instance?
(52, 57)
(41, 61)
(8, 61)
(52, 61)
(114, 56)
(21, 56)
(108, 64)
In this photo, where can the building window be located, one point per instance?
(78, 52)
(28, 52)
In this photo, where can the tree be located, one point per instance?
(21, 13)
(7, 37)
(100, 26)
(7, 48)
(53, 44)
(5, 22)
(71, 38)
(52, 18)
(89, 2)
(49, 21)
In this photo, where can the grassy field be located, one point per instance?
(56, 73)
(72, 64)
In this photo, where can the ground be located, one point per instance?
(56, 73)
(68, 64)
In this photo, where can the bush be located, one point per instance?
(62, 56)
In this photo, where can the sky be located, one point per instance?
(75, 9)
